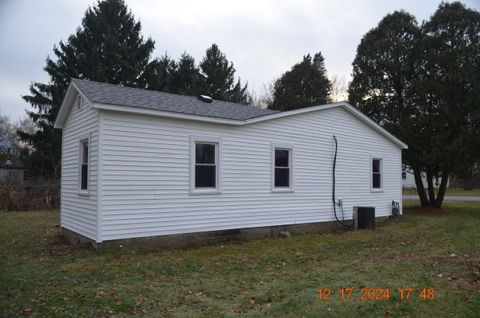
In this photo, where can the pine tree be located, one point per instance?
(158, 75)
(108, 47)
(306, 84)
(186, 77)
(219, 77)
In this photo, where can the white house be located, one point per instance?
(176, 169)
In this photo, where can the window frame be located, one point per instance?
(218, 164)
(82, 139)
(380, 189)
(291, 165)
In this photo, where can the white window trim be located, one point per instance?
(219, 160)
(291, 160)
(372, 189)
(82, 138)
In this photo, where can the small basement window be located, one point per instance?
(205, 177)
(282, 169)
(84, 164)
(377, 174)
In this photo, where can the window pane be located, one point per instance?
(84, 181)
(204, 153)
(205, 176)
(282, 177)
(84, 151)
(281, 158)
(376, 165)
(376, 181)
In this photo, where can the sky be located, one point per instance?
(263, 38)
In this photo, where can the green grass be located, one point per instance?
(40, 275)
(450, 192)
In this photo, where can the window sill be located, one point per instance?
(376, 190)
(205, 192)
(83, 193)
(282, 190)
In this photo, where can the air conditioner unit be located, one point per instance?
(364, 217)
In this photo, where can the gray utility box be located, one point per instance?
(364, 217)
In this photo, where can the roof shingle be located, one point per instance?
(134, 97)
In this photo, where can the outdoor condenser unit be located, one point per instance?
(364, 217)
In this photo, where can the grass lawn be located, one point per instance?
(40, 275)
(450, 191)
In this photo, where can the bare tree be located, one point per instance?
(7, 134)
(339, 90)
(9, 139)
(264, 98)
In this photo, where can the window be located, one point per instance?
(84, 164)
(205, 165)
(282, 169)
(376, 173)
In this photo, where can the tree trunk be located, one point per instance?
(441, 190)
(431, 189)
(420, 188)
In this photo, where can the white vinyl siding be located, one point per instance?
(146, 173)
(79, 207)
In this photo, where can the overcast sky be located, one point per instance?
(262, 38)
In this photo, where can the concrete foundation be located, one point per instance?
(206, 238)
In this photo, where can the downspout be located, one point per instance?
(333, 188)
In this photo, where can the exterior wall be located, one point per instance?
(145, 173)
(79, 210)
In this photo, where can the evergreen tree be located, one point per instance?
(448, 91)
(108, 47)
(423, 85)
(219, 77)
(383, 75)
(186, 77)
(158, 75)
(306, 84)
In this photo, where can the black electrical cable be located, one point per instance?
(333, 188)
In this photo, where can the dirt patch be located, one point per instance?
(58, 245)
(468, 279)
(428, 211)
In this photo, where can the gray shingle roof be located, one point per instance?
(142, 98)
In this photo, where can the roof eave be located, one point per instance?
(167, 114)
